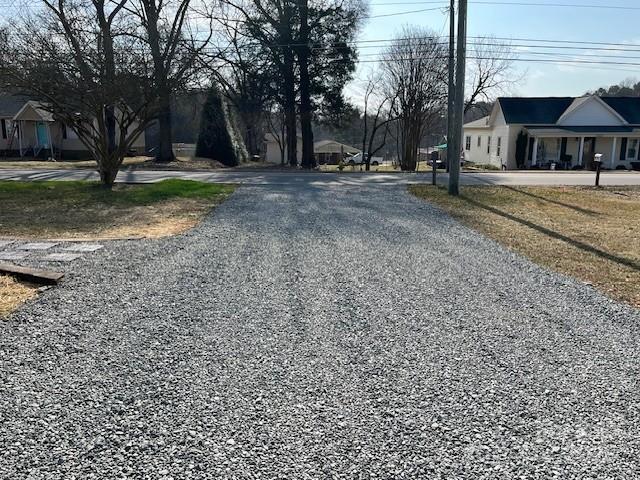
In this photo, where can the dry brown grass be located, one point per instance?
(591, 234)
(169, 217)
(13, 293)
(80, 210)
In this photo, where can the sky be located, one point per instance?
(564, 20)
(542, 21)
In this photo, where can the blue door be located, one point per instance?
(41, 133)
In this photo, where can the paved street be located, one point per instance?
(321, 329)
(327, 179)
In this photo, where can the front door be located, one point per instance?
(41, 134)
(589, 152)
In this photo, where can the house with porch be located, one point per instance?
(556, 133)
(29, 130)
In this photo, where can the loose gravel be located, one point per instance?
(318, 332)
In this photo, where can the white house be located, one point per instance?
(28, 130)
(331, 152)
(556, 132)
(274, 149)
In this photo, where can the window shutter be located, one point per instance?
(4, 128)
(623, 149)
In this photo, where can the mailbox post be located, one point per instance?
(598, 160)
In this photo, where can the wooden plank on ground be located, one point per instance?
(34, 275)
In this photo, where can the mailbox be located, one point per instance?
(598, 160)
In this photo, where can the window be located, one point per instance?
(632, 148)
(64, 131)
(499, 147)
(4, 128)
(467, 143)
(489, 145)
(479, 141)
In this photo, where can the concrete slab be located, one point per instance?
(62, 257)
(13, 255)
(83, 247)
(5, 243)
(37, 246)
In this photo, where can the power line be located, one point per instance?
(513, 4)
(405, 13)
(508, 59)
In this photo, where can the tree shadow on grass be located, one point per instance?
(544, 199)
(555, 202)
(627, 262)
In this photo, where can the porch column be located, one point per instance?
(49, 140)
(613, 152)
(581, 151)
(19, 125)
(534, 158)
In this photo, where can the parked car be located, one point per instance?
(359, 158)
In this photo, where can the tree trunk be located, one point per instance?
(290, 108)
(308, 159)
(110, 123)
(164, 154)
(108, 169)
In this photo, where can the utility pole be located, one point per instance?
(452, 83)
(454, 166)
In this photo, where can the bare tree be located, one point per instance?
(276, 126)
(415, 75)
(491, 71)
(174, 46)
(376, 118)
(75, 57)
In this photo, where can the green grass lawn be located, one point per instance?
(85, 209)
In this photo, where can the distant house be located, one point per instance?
(556, 132)
(331, 152)
(28, 130)
(326, 151)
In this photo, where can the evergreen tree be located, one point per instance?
(219, 138)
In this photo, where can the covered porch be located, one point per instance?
(575, 148)
(32, 131)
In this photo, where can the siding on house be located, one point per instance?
(555, 122)
(30, 115)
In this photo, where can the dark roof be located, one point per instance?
(547, 110)
(627, 107)
(583, 129)
(11, 104)
(540, 110)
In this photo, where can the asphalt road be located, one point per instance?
(327, 179)
(314, 331)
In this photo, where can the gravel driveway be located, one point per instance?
(319, 332)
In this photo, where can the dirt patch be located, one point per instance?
(13, 293)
